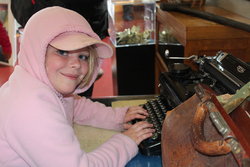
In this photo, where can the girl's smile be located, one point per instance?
(70, 76)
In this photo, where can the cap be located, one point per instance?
(70, 41)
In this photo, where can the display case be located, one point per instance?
(132, 27)
(132, 22)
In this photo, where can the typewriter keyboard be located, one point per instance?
(157, 110)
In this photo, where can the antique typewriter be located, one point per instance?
(223, 73)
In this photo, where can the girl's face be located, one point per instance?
(66, 69)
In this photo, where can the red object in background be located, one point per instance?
(5, 72)
(5, 42)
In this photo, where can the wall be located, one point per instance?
(241, 7)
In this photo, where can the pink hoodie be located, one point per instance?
(36, 121)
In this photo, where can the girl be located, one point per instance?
(59, 57)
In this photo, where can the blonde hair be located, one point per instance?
(92, 63)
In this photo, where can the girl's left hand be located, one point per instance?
(134, 112)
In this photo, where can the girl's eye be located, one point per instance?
(83, 57)
(62, 52)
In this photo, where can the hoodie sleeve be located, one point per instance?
(42, 136)
(87, 112)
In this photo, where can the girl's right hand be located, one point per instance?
(140, 131)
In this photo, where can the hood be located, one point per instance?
(40, 30)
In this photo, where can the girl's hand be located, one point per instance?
(139, 131)
(135, 112)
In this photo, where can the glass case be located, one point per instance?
(168, 42)
(132, 23)
(166, 36)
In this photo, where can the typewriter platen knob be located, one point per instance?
(166, 53)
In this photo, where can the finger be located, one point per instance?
(139, 116)
(141, 125)
(135, 116)
(127, 126)
(142, 112)
(145, 131)
(144, 134)
(136, 109)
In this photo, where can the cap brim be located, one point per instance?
(75, 40)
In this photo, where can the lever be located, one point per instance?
(193, 57)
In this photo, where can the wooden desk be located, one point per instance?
(5, 72)
(199, 36)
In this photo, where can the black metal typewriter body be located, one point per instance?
(223, 73)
